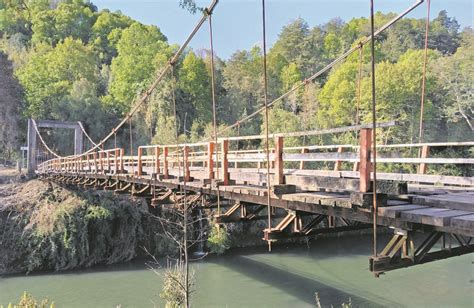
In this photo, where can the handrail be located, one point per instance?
(200, 159)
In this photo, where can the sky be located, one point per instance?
(237, 23)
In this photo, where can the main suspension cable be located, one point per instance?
(85, 133)
(42, 140)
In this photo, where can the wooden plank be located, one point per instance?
(463, 222)
(312, 157)
(394, 211)
(457, 201)
(396, 202)
(421, 215)
(328, 199)
(312, 132)
(315, 183)
(442, 218)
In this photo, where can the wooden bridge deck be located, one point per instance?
(448, 209)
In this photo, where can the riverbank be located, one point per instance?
(45, 227)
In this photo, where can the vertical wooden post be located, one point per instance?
(225, 161)
(303, 151)
(95, 162)
(355, 167)
(210, 160)
(157, 160)
(424, 154)
(101, 161)
(140, 163)
(278, 161)
(364, 157)
(338, 163)
(88, 163)
(122, 167)
(117, 163)
(187, 175)
(108, 162)
(259, 164)
(166, 172)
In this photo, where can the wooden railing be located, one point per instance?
(208, 161)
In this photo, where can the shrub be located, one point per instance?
(218, 240)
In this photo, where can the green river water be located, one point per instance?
(337, 268)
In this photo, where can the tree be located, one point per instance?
(195, 86)
(106, 33)
(244, 83)
(49, 75)
(444, 34)
(70, 19)
(398, 93)
(178, 225)
(139, 50)
(457, 78)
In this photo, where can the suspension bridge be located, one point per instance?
(286, 186)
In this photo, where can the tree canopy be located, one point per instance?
(75, 62)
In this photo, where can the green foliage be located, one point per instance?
(106, 33)
(50, 74)
(218, 239)
(194, 81)
(174, 285)
(70, 19)
(138, 49)
(98, 212)
(28, 301)
(456, 75)
(75, 63)
(398, 93)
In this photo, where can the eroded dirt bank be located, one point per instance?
(47, 227)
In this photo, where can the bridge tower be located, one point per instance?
(33, 125)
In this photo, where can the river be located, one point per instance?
(336, 268)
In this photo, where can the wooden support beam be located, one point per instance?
(210, 160)
(278, 161)
(225, 162)
(365, 164)
(424, 154)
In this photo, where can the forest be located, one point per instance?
(74, 62)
